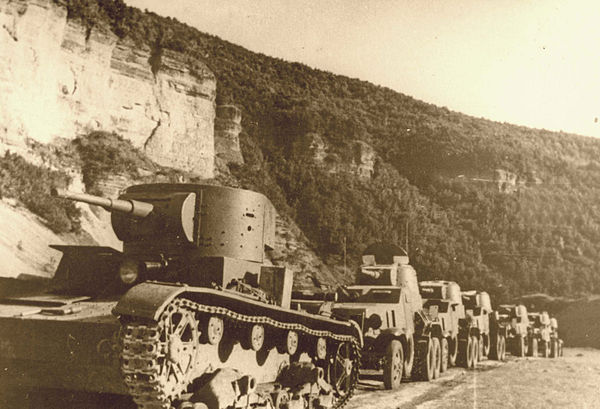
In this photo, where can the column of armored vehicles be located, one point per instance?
(190, 315)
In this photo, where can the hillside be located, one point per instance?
(491, 205)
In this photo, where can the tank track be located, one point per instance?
(144, 353)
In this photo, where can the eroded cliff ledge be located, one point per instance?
(61, 79)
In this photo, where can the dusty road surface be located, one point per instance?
(572, 381)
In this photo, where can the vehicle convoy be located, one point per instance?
(513, 317)
(556, 344)
(478, 308)
(538, 334)
(387, 306)
(442, 302)
(187, 314)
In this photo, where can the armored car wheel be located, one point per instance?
(519, 346)
(409, 357)
(560, 347)
(424, 360)
(553, 348)
(452, 351)
(533, 348)
(502, 354)
(437, 356)
(393, 365)
(465, 352)
(444, 355)
(486, 344)
(545, 348)
(475, 353)
(481, 350)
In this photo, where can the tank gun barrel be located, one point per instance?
(133, 207)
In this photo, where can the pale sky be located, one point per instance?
(527, 62)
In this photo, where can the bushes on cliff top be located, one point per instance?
(103, 154)
(31, 184)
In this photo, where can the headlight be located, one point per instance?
(129, 271)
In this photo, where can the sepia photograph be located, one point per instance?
(299, 204)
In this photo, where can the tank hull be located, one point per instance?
(74, 351)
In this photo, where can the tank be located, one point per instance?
(188, 313)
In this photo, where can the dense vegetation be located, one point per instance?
(543, 237)
(30, 184)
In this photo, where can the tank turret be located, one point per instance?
(169, 230)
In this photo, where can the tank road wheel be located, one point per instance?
(254, 338)
(452, 351)
(444, 355)
(291, 343)
(213, 330)
(280, 399)
(393, 365)
(465, 352)
(533, 348)
(321, 348)
(409, 357)
(424, 360)
(475, 353)
(437, 356)
(343, 373)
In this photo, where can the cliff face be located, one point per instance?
(59, 79)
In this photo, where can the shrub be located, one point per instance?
(31, 184)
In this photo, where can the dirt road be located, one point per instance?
(572, 381)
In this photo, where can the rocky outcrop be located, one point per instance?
(228, 125)
(364, 160)
(59, 79)
(506, 181)
(362, 164)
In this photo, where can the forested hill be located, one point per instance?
(491, 205)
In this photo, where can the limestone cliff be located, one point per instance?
(228, 125)
(60, 79)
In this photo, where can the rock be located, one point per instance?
(228, 125)
(59, 79)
